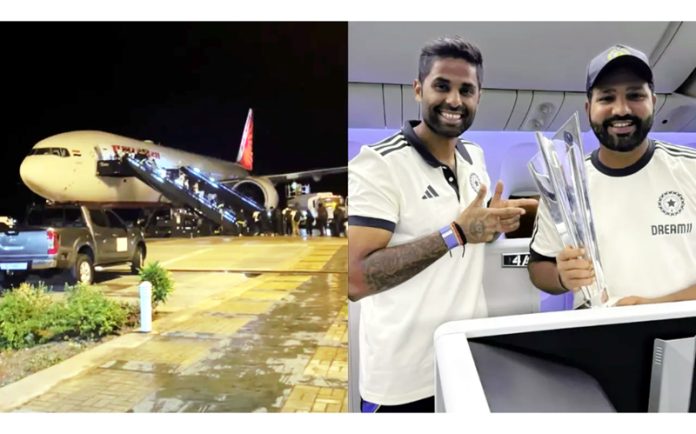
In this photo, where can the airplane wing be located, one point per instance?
(316, 174)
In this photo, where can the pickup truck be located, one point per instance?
(68, 237)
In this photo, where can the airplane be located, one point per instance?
(62, 168)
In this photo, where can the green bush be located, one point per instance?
(87, 313)
(28, 316)
(159, 277)
(23, 316)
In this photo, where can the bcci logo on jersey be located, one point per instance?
(671, 203)
(475, 182)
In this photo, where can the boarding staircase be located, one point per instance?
(220, 211)
(223, 192)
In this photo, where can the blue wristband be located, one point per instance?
(449, 237)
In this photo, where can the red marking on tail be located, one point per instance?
(245, 157)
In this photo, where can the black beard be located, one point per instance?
(623, 143)
(433, 121)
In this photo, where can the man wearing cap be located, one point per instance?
(417, 223)
(642, 193)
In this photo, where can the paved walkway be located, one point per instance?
(225, 343)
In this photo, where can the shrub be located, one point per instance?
(28, 316)
(86, 313)
(23, 316)
(159, 277)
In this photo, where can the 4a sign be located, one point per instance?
(515, 260)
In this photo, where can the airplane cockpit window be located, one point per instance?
(59, 152)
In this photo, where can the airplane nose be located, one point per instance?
(23, 170)
(28, 171)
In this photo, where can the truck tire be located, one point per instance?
(83, 270)
(138, 260)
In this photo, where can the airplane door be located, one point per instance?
(98, 153)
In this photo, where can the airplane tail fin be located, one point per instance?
(245, 157)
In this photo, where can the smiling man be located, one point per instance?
(417, 224)
(642, 194)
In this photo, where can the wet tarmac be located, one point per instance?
(254, 325)
(255, 369)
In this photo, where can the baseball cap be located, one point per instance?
(632, 58)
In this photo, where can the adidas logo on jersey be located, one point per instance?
(430, 193)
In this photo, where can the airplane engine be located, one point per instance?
(259, 189)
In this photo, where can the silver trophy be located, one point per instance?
(558, 170)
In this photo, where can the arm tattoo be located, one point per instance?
(391, 266)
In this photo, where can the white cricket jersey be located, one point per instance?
(644, 221)
(399, 186)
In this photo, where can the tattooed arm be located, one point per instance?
(373, 267)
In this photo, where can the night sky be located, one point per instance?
(183, 85)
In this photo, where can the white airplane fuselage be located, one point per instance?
(63, 168)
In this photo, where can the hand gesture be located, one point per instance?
(481, 224)
(511, 223)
